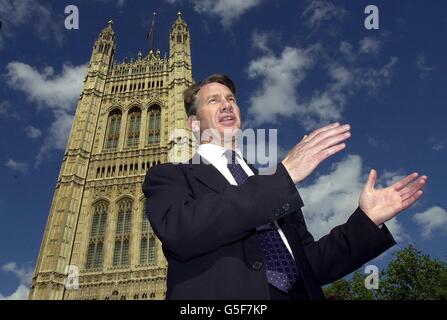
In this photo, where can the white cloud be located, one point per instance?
(281, 76)
(32, 132)
(15, 14)
(17, 166)
(369, 45)
(333, 197)
(327, 105)
(228, 11)
(422, 66)
(21, 293)
(4, 108)
(438, 146)
(49, 90)
(7, 112)
(390, 177)
(56, 92)
(372, 78)
(431, 220)
(347, 50)
(57, 136)
(262, 40)
(24, 275)
(318, 11)
(437, 143)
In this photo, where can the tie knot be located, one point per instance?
(231, 156)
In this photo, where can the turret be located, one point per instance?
(104, 49)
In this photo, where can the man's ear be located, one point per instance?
(193, 123)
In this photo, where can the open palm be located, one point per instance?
(381, 205)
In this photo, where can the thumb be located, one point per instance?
(372, 178)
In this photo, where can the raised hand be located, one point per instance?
(380, 205)
(304, 157)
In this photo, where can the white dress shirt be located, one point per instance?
(215, 155)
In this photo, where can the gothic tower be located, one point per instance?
(98, 243)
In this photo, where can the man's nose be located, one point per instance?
(226, 106)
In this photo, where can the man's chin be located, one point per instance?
(229, 132)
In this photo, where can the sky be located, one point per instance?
(297, 65)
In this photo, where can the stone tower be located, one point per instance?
(98, 244)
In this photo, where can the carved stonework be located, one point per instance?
(101, 192)
(126, 189)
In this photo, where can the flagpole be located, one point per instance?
(151, 33)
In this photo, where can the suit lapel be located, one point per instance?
(252, 167)
(208, 174)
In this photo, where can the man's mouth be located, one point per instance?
(227, 120)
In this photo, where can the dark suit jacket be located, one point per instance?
(207, 229)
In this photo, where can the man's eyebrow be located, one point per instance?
(212, 96)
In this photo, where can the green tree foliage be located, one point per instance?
(339, 290)
(411, 275)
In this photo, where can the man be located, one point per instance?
(229, 233)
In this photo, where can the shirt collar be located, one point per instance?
(213, 152)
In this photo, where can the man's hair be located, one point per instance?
(190, 94)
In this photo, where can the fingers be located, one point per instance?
(323, 139)
(405, 181)
(372, 178)
(329, 142)
(415, 187)
(325, 128)
(410, 201)
(326, 153)
(326, 143)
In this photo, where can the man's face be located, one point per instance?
(217, 109)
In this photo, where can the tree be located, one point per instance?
(358, 289)
(411, 275)
(338, 290)
(414, 276)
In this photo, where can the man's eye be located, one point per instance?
(212, 100)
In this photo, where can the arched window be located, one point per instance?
(121, 251)
(96, 243)
(133, 131)
(113, 129)
(147, 244)
(154, 117)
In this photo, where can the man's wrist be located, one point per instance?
(289, 172)
(371, 217)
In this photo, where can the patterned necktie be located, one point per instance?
(280, 267)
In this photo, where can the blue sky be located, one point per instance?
(297, 65)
